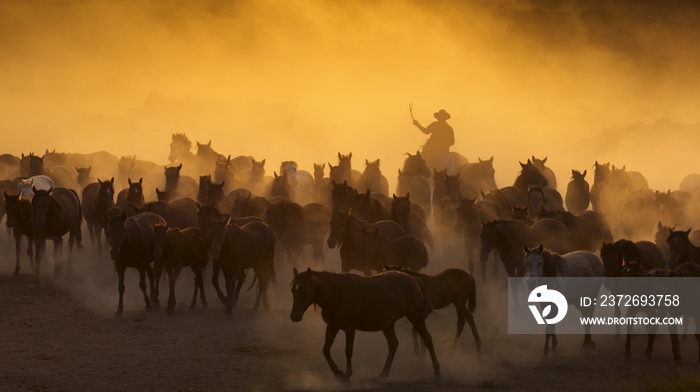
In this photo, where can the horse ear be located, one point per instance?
(34, 189)
(368, 193)
(308, 270)
(408, 195)
(526, 250)
(366, 162)
(275, 173)
(222, 184)
(112, 180)
(263, 162)
(540, 248)
(99, 182)
(434, 171)
(339, 156)
(522, 164)
(394, 195)
(399, 171)
(345, 182)
(687, 233)
(418, 152)
(165, 167)
(209, 144)
(491, 159)
(401, 266)
(480, 159)
(659, 225)
(296, 273)
(384, 268)
(129, 179)
(323, 166)
(544, 160)
(179, 167)
(157, 191)
(141, 179)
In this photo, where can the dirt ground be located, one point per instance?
(63, 336)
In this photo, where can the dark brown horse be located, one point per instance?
(98, 198)
(546, 171)
(279, 187)
(249, 206)
(418, 186)
(509, 237)
(178, 185)
(203, 189)
(133, 243)
(507, 198)
(347, 232)
(239, 248)
(345, 165)
(682, 250)
(351, 302)
(342, 196)
(19, 219)
(451, 286)
(539, 198)
(477, 177)
(529, 175)
(174, 249)
(133, 194)
(179, 212)
(470, 215)
(415, 165)
(162, 196)
(407, 250)
(412, 218)
(298, 226)
(588, 228)
(578, 195)
(55, 212)
(368, 209)
(372, 179)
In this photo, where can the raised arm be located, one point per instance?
(422, 128)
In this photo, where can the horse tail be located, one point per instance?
(255, 278)
(79, 232)
(471, 291)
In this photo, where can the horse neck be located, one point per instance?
(171, 184)
(556, 263)
(328, 289)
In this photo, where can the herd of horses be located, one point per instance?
(205, 206)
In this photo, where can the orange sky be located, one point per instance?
(303, 80)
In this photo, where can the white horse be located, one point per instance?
(544, 264)
(39, 182)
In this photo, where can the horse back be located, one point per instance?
(583, 264)
(651, 255)
(139, 232)
(375, 303)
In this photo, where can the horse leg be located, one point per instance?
(98, 237)
(142, 286)
(40, 246)
(419, 324)
(200, 281)
(675, 343)
(472, 325)
(197, 274)
(157, 272)
(230, 288)
(91, 231)
(393, 342)
(215, 281)
(18, 250)
(416, 347)
(30, 251)
(628, 344)
(172, 277)
(651, 337)
(71, 241)
(240, 279)
(120, 274)
(331, 333)
(349, 342)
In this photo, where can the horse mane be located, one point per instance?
(629, 250)
(551, 264)
(182, 138)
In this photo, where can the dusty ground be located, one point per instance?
(63, 336)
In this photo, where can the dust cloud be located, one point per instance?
(573, 81)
